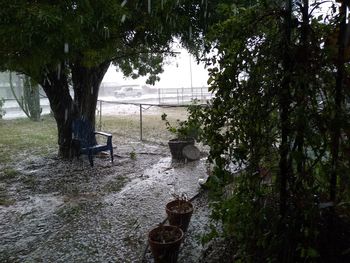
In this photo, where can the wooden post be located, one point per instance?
(177, 96)
(141, 122)
(100, 114)
(159, 96)
(182, 95)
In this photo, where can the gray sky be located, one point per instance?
(176, 74)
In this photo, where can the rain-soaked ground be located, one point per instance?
(66, 211)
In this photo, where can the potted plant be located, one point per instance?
(179, 212)
(186, 132)
(165, 241)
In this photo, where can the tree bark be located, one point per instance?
(86, 84)
(55, 85)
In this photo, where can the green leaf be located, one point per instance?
(210, 80)
(312, 253)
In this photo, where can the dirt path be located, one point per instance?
(69, 212)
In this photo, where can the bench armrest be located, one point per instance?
(103, 133)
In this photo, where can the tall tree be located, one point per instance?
(29, 101)
(279, 115)
(72, 43)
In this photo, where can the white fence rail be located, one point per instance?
(183, 95)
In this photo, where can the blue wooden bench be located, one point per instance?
(84, 137)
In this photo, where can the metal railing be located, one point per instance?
(142, 107)
(183, 95)
(166, 98)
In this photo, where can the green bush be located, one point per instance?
(190, 128)
(279, 117)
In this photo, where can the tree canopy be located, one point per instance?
(72, 43)
(41, 35)
(280, 117)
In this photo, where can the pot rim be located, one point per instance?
(189, 139)
(168, 243)
(169, 206)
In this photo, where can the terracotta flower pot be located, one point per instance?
(179, 213)
(165, 242)
(176, 146)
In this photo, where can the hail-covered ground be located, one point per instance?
(67, 211)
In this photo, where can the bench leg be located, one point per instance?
(111, 151)
(90, 156)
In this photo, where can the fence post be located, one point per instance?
(100, 114)
(141, 122)
(182, 95)
(177, 96)
(158, 95)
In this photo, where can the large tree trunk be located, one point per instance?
(86, 84)
(55, 85)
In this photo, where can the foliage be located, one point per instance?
(274, 118)
(190, 128)
(31, 98)
(29, 102)
(8, 174)
(134, 35)
(133, 155)
(72, 43)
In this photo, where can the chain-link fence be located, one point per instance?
(134, 118)
(138, 121)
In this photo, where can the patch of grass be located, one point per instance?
(77, 209)
(8, 173)
(20, 135)
(133, 155)
(4, 158)
(116, 185)
(70, 211)
(153, 128)
(70, 189)
(8, 256)
(30, 182)
(40, 138)
(5, 200)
